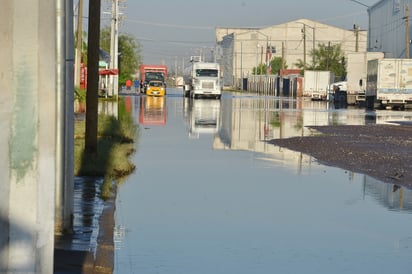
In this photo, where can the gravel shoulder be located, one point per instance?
(380, 151)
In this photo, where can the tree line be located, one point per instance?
(325, 57)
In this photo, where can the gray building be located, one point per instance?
(388, 21)
(242, 49)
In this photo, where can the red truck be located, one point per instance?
(151, 72)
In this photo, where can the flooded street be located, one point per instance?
(209, 195)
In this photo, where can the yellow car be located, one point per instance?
(156, 88)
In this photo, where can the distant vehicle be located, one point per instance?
(338, 94)
(151, 72)
(179, 81)
(389, 83)
(316, 84)
(343, 86)
(155, 88)
(203, 80)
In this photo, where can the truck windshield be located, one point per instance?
(159, 76)
(206, 72)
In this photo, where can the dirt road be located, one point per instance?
(380, 151)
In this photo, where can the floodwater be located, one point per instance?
(209, 195)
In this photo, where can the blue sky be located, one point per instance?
(171, 30)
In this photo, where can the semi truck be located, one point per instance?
(316, 84)
(389, 83)
(151, 72)
(202, 79)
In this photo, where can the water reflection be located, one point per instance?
(244, 206)
(87, 208)
(152, 110)
(108, 108)
(390, 196)
(204, 116)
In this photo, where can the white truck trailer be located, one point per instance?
(389, 83)
(316, 84)
(203, 80)
(357, 64)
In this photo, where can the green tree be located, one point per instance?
(130, 56)
(327, 57)
(84, 47)
(129, 52)
(275, 65)
(259, 70)
(105, 38)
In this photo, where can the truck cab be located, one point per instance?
(203, 81)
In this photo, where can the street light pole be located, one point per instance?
(360, 3)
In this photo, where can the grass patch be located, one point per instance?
(116, 142)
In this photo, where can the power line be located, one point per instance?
(170, 25)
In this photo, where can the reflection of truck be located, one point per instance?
(316, 84)
(356, 75)
(389, 83)
(151, 72)
(202, 80)
(204, 117)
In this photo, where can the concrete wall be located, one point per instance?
(28, 132)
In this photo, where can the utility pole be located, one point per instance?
(283, 68)
(314, 45)
(92, 76)
(183, 66)
(261, 60)
(327, 58)
(304, 46)
(356, 29)
(176, 68)
(406, 31)
(116, 48)
(113, 55)
(79, 42)
(283, 56)
(241, 60)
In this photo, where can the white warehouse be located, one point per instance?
(242, 49)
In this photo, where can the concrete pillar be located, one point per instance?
(27, 135)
